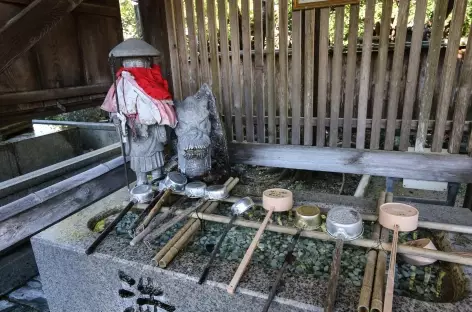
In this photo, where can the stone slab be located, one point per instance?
(16, 268)
(92, 283)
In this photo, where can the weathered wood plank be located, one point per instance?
(271, 70)
(364, 84)
(336, 76)
(182, 48)
(20, 227)
(214, 63)
(173, 50)
(412, 75)
(396, 74)
(194, 74)
(463, 99)
(236, 71)
(322, 77)
(454, 168)
(349, 94)
(379, 90)
(225, 67)
(296, 80)
(308, 70)
(11, 99)
(432, 60)
(203, 44)
(283, 70)
(29, 26)
(247, 68)
(97, 36)
(58, 56)
(259, 96)
(448, 74)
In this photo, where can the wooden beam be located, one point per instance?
(83, 190)
(431, 167)
(16, 98)
(89, 8)
(21, 32)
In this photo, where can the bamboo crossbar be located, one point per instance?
(365, 243)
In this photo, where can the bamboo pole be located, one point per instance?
(156, 209)
(457, 228)
(379, 282)
(365, 243)
(369, 271)
(156, 221)
(180, 239)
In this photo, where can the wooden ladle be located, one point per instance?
(396, 217)
(272, 200)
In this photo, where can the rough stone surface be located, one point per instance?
(118, 276)
(30, 295)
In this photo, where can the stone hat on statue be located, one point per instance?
(134, 48)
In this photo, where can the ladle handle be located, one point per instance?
(388, 301)
(247, 257)
(334, 275)
(109, 228)
(215, 250)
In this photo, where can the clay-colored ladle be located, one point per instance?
(396, 217)
(272, 200)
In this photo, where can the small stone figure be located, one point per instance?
(201, 138)
(146, 107)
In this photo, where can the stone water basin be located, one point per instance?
(304, 286)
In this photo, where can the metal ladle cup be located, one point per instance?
(344, 224)
(238, 208)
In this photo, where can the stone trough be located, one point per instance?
(118, 277)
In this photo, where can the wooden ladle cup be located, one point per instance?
(272, 200)
(396, 217)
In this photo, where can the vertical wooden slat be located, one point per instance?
(202, 43)
(225, 68)
(308, 70)
(270, 71)
(259, 70)
(464, 97)
(182, 47)
(381, 74)
(173, 50)
(322, 78)
(236, 71)
(364, 84)
(412, 75)
(296, 75)
(283, 70)
(194, 75)
(336, 78)
(396, 74)
(247, 70)
(214, 63)
(448, 74)
(350, 74)
(426, 98)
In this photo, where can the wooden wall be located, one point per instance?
(67, 69)
(373, 92)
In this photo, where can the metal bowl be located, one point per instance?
(175, 181)
(195, 189)
(242, 206)
(216, 192)
(308, 217)
(142, 193)
(344, 223)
